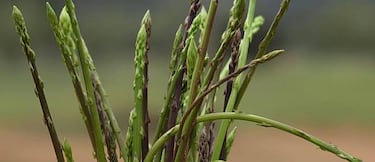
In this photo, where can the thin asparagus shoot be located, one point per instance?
(261, 121)
(39, 86)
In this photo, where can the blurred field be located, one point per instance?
(258, 145)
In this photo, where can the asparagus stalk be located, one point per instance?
(138, 95)
(105, 123)
(173, 112)
(67, 151)
(39, 86)
(87, 69)
(129, 139)
(63, 35)
(175, 89)
(261, 121)
(187, 126)
(140, 89)
(228, 91)
(244, 45)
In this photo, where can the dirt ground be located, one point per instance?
(252, 145)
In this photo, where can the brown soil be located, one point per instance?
(253, 144)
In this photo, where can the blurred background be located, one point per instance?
(324, 84)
